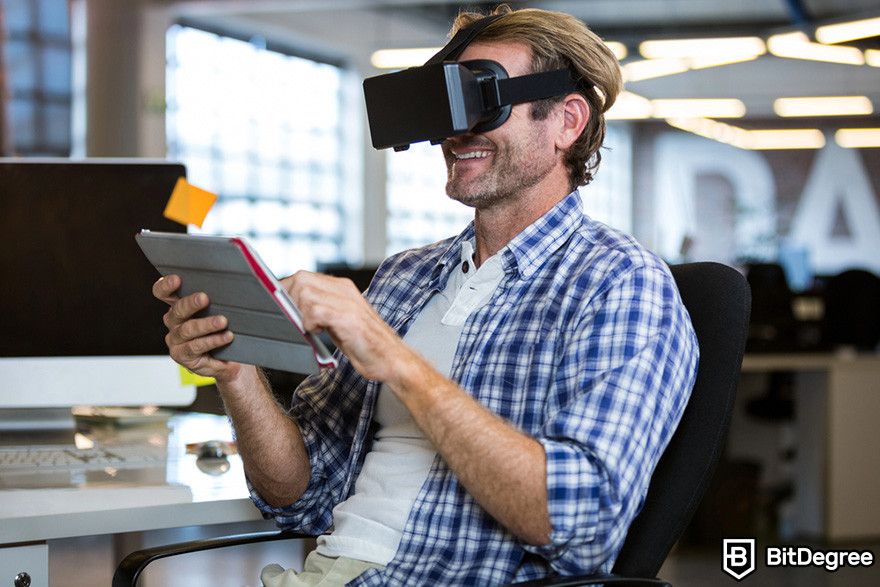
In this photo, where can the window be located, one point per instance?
(608, 198)
(420, 213)
(262, 129)
(37, 52)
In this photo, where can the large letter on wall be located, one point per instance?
(838, 182)
(679, 159)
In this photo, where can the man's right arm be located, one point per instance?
(270, 443)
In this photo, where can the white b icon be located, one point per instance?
(739, 557)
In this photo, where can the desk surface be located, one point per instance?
(96, 502)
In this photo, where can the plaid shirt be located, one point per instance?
(585, 346)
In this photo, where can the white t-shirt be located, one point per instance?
(369, 525)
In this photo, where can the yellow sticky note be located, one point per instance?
(189, 204)
(187, 377)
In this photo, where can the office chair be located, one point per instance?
(772, 325)
(852, 310)
(718, 300)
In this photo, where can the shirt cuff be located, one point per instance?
(572, 498)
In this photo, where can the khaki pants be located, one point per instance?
(318, 570)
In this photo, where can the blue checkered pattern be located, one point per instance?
(585, 346)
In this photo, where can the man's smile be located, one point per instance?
(471, 155)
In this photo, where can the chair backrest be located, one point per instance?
(718, 300)
(852, 309)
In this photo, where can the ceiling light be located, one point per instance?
(694, 48)
(798, 46)
(848, 31)
(712, 129)
(823, 106)
(699, 107)
(401, 58)
(669, 57)
(629, 106)
(619, 49)
(858, 138)
(651, 68)
(809, 138)
(872, 57)
(715, 60)
(789, 138)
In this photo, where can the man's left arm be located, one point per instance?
(547, 491)
(621, 385)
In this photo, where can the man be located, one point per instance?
(544, 363)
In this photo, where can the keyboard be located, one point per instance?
(66, 457)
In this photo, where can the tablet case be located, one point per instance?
(266, 323)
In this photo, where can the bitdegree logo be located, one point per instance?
(738, 557)
(804, 556)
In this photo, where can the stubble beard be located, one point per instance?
(513, 170)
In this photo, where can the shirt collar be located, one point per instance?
(450, 259)
(490, 269)
(528, 250)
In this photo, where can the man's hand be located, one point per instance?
(190, 339)
(269, 442)
(335, 305)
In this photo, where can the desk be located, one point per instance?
(174, 495)
(837, 425)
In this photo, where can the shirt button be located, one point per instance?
(465, 267)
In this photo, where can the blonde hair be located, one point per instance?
(557, 41)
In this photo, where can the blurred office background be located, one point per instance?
(715, 152)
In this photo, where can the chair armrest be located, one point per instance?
(132, 566)
(576, 581)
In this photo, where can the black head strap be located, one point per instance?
(526, 88)
(535, 86)
(461, 40)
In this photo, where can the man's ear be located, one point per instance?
(575, 116)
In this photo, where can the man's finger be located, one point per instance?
(294, 283)
(195, 328)
(184, 308)
(165, 287)
(305, 286)
(205, 344)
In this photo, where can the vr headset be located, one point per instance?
(444, 98)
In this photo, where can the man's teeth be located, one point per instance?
(473, 155)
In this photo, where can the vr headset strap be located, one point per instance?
(535, 86)
(461, 40)
(526, 88)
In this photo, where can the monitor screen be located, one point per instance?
(80, 325)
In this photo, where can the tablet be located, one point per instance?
(267, 325)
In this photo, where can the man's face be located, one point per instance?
(489, 168)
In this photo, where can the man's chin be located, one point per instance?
(473, 198)
(461, 192)
(467, 202)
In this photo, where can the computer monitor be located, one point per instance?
(79, 323)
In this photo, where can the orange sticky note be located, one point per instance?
(189, 204)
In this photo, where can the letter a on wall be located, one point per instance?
(838, 185)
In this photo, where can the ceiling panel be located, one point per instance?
(355, 28)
